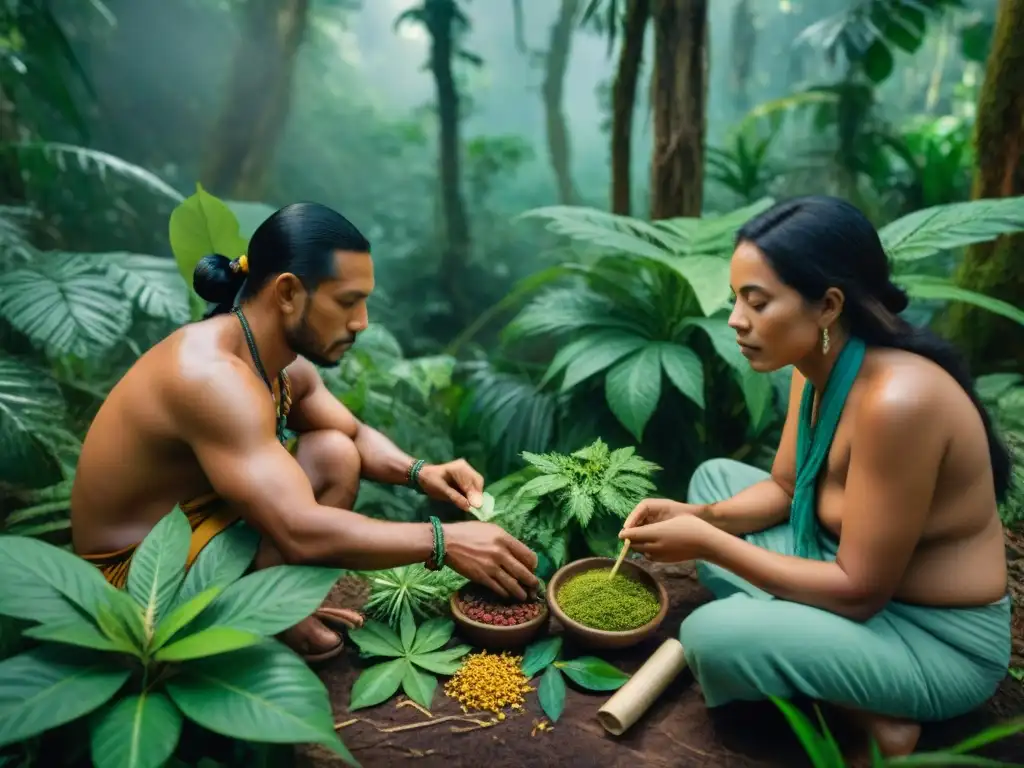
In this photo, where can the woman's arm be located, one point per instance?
(897, 449)
(764, 504)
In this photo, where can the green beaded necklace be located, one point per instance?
(282, 417)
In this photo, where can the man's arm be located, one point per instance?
(885, 507)
(314, 407)
(226, 419)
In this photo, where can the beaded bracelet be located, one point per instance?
(437, 558)
(413, 476)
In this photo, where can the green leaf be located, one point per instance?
(43, 583)
(180, 617)
(932, 288)
(924, 233)
(272, 600)
(709, 278)
(31, 403)
(685, 370)
(593, 673)
(976, 40)
(486, 509)
(158, 566)
(222, 561)
(139, 731)
(80, 632)
(208, 642)
(418, 685)
(264, 693)
(633, 388)
(50, 686)
(202, 224)
(65, 305)
(551, 693)
(120, 618)
(604, 348)
(813, 743)
(152, 282)
(540, 654)
(407, 627)
(375, 638)
(433, 634)
(877, 61)
(444, 662)
(377, 684)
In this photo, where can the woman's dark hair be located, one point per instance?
(300, 238)
(815, 243)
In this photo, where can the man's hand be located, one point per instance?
(455, 481)
(650, 511)
(486, 554)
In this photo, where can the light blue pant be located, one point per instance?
(907, 661)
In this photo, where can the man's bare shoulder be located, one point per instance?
(210, 389)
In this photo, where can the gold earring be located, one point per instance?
(825, 343)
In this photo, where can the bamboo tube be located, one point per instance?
(622, 556)
(634, 698)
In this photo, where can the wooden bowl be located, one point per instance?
(600, 639)
(494, 637)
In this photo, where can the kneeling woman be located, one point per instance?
(868, 568)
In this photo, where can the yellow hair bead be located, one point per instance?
(243, 264)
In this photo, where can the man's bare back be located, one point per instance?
(136, 463)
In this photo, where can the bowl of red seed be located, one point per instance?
(489, 621)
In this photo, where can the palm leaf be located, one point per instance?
(563, 310)
(937, 288)
(31, 409)
(607, 230)
(92, 161)
(14, 243)
(63, 304)
(924, 233)
(153, 283)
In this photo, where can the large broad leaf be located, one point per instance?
(158, 566)
(593, 354)
(418, 685)
(433, 634)
(539, 655)
(684, 369)
(375, 638)
(593, 673)
(269, 601)
(30, 404)
(603, 229)
(265, 693)
(178, 618)
(926, 232)
(633, 388)
(43, 583)
(932, 288)
(153, 283)
(202, 225)
(551, 693)
(221, 562)
(564, 310)
(65, 304)
(711, 235)
(138, 731)
(377, 684)
(250, 215)
(209, 642)
(709, 278)
(79, 631)
(50, 686)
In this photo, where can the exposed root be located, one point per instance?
(414, 705)
(415, 726)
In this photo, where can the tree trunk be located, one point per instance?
(678, 97)
(455, 255)
(996, 268)
(624, 102)
(258, 99)
(556, 64)
(744, 41)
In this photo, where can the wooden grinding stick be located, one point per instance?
(640, 691)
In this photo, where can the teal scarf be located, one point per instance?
(813, 442)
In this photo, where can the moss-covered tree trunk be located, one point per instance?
(997, 268)
(259, 90)
(679, 98)
(441, 20)
(638, 13)
(556, 64)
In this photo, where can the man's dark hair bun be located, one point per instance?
(215, 281)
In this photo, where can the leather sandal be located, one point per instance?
(337, 618)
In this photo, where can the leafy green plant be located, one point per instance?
(1003, 394)
(415, 588)
(543, 657)
(172, 645)
(824, 752)
(586, 494)
(416, 655)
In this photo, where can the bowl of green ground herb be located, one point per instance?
(496, 623)
(607, 613)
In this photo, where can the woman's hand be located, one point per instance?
(658, 510)
(673, 538)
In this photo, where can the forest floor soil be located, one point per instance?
(677, 731)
